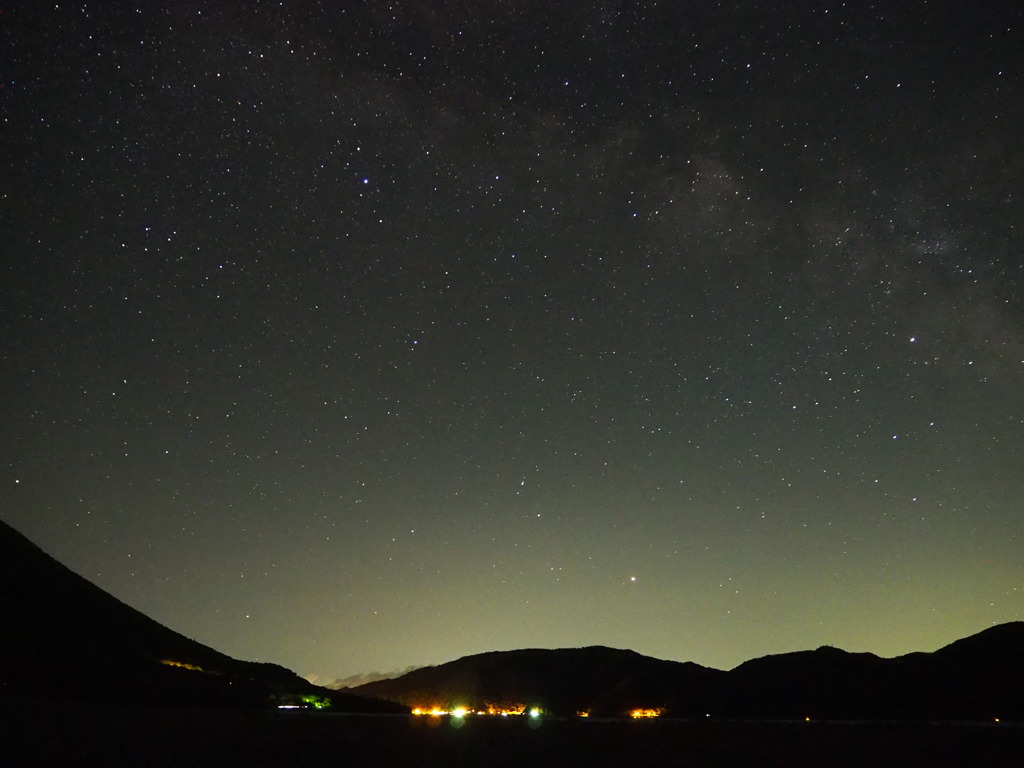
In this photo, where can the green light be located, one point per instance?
(317, 702)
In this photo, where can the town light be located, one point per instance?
(637, 714)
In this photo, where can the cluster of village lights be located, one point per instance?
(490, 711)
(517, 711)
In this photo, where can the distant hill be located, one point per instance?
(977, 678)
(62, 637)
(598, 680)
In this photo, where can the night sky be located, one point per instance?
(359, 335)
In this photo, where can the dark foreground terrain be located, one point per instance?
(49, 734)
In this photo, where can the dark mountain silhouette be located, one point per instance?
(63, 637)
(977, 678)
(601, 681)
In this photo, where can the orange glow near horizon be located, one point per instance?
(509, 709)
(438, 711)
(492, 710)
(641, 713)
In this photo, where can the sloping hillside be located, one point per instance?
(63, 637)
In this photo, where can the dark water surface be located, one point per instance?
(49, 734)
